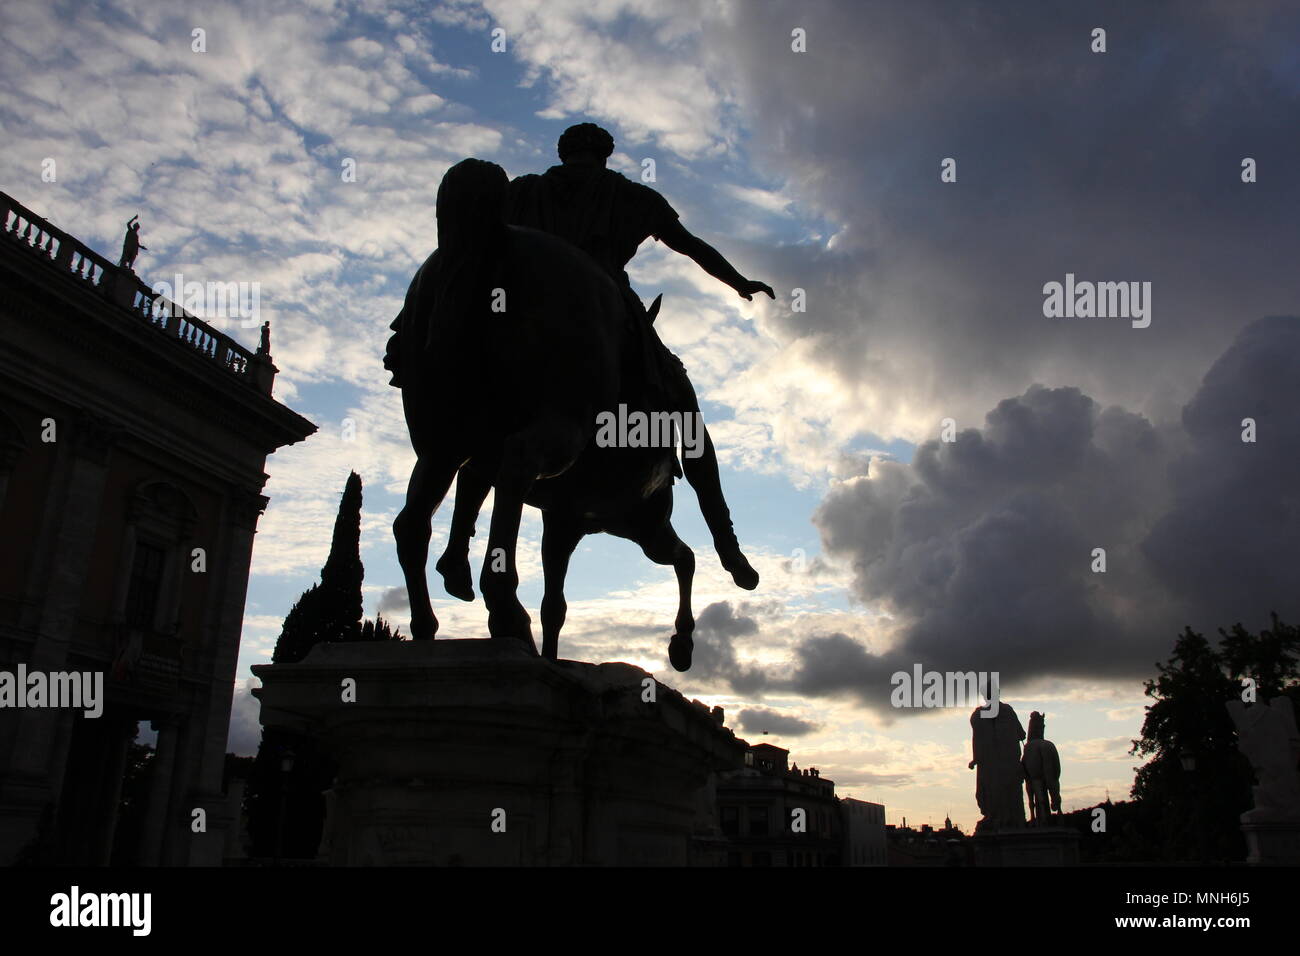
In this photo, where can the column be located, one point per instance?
(228, 562)
(120, 733)
(160, 790)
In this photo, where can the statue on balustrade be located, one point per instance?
(131, 244)
(517, 335)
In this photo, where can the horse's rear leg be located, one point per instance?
(662, 546)
(545, 448)
(560, 536)
(472, 486)
(429, 482)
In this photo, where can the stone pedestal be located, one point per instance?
(474, 752)
(1031, 846)
(1272, 844)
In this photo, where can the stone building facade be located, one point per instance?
(133, 438)
(756, 807)
(864, 833)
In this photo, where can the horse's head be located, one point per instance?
(471, 206)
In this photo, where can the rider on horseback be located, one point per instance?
(608, 217)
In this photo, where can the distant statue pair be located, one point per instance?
(516, 334)
(1003, 769)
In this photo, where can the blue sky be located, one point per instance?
(879, 546)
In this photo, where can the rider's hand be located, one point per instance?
(750, 287)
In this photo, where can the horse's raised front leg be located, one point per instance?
(662, 546)
(560, 536)
(473, 483)
(429, 482)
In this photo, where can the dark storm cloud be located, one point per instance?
(1122, 165)
(1229, 544)
(394, 601)
(716, 628)
(760, 720)
(983, 546)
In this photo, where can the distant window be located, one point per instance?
(146, 583)
(749, 759)
(758, 821)
(733, 859)
(731, 821)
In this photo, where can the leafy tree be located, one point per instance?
(1200, 808)
(378, 630)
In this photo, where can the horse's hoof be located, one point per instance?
(679, 651)
(456, 578)
(526, 639)
(738, 566)
(423, 624)
(528, 643)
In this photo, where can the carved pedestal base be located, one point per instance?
(1272, 844)
(1032, 846)
(473, 752)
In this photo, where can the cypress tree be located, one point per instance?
(330, 610)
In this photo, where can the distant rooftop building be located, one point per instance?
(757, 812)
(133, 437)
(926, 846)
(864, 833)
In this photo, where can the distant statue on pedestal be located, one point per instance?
(995, 755)
(264, 346)
(1267, 737)
(1042, 766)
(131, 244)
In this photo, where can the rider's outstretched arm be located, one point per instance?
(677, 238)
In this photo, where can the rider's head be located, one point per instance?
(585, 144)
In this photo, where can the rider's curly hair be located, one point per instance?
(585, 137)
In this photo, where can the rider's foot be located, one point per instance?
(456, 577)
(735, 564)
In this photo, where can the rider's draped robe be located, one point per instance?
(995, 745)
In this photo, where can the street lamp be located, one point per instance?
(1187, 757)
(286, 768)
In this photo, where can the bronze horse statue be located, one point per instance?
(1042, 768)
(510, 342)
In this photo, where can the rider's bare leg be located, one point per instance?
(702, 472)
